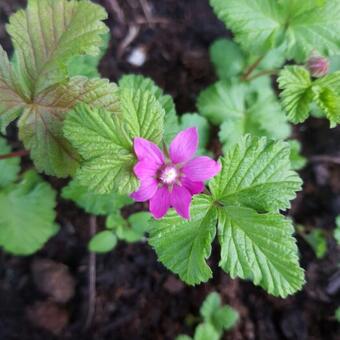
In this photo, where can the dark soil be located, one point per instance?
(136, 297)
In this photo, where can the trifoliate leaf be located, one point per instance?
(87, 65)
(297, 161)
(40, 126)
(27, 215)
(260, 247)
(228, 58)
(297, 94)
(195, 120)
(211, 303)
(317, 240)
(50, 32)
(221, 101)
(94, 203)
(183, 246)
(105, 140)
(9, 168)
(138, 82)
(103, 242)
(12, 95)
(221, 317)
(300, 27)
(256, 173)
(206, 331)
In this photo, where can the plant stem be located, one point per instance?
(20, 153)
(248, 71)
(91, 277)
(263, 73)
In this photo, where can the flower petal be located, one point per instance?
(160, 203)
(145, 150)
(193, 187)
(184, 146)
(146, 190)
(201, 169)
(180, 200)
(146, 168)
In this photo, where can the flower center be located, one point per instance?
(169, 175)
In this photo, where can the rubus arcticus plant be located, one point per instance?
(112, 138)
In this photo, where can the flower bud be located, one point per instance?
(318, 66)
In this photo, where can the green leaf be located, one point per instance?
(138, 82)
(260, 247)
(12, 95)
(50, 32)
(94, 203)
(337, 314)
(297, 94)
(206, 331)
(183, 246)
(221, 101)
(103, 242)
(337, 230)
(183, 337)
(256, 173)
(317, 240)
(260, 25)
(296, 160)
(87, 65)
(9, 168)
(329, 102)
(211, 303)
(195, 120)
(27, 215)
(221, 317)
(228, 58)
(105, 140)
(40, 126)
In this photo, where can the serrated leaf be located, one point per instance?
(138, 82)
(103, 242)
(27, 215)
(12, 95)
(87, 65)
(40, 126)
(297, 94)
(206, 331)
(228, 58)
(9, 168)
(105, 140)
(329, 102)
(94, 203)
(183, 246)
(48, 33)
(260, 247)
(260, 25)
(256, 173)
(256, 23)
(221, 101)
(297, 161)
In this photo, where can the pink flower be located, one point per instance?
(318, 66)
(171, 181)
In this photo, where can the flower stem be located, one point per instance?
(20, 153)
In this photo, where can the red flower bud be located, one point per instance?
(318, 66)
